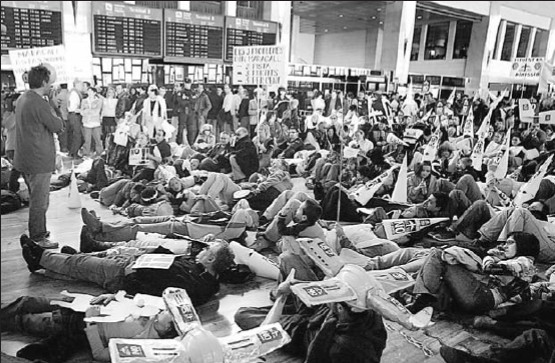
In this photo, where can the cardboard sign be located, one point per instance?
(323, 292)
(397, 228)
(138, 156)
(324, 257)
(146, 350)
(527, 68)
(157, 261)
(260, 65)
(547, 117)
(24, 59)
(365, 192)
(526, 110)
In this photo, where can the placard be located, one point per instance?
(138, 156)
(126, 29)
(30, 24)
(260, 66)
(547, 117)
(244, 32)
(527, 68)
(397, 228)
(193, 36)
(23, 60)
(157, 261)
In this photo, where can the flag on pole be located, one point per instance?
(525, 110)
(468, 129)
(478, 154)
(503, 161)
(483, 130)
(400, 192)
(528, 190)
(451, 98)
(430, 150)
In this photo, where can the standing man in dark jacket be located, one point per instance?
(217, 101)
(183, 104)
(35, 151)
(124, 102)
(244, 158)
(202, 107)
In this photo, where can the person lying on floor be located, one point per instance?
(467, 280)
(302, 211)
(483, 227)
(64, 331)
(199, 277)
(264, 189)
(242, 218)
(337, 332)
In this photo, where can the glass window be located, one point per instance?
(436, 41)
(508, 42)
(462, 39)
(523, 42)
(246, 4)
(540, 43)
(415, 43)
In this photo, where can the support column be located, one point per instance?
(422, 48)
(280, 12)
(516, 41)
(77, 40)
(481, 50)
(295, 35)
(451, 40)
(500, 39)
(531, 42)
(397, 41)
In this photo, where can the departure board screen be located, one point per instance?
(121, 29)
(248, 32)
(193, 36)
(31, 24)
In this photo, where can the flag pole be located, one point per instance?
(341, 142)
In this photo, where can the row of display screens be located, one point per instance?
(121, 29)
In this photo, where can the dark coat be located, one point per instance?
(246, 156)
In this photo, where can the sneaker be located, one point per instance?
(68, 250)
(46, 243)
(444, 236)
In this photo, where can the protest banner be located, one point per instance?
(260, 65)
(503, 160)
(430, 151)
(527, 68)
(529, 189)
(400, 192)
(365, 192)
(397, 228)
(24, 59)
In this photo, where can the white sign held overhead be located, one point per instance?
(260, 65)
(527, 68)
(547, 117)
(24, 59)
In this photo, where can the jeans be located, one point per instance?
(13, 184)
(280, 202)
(521, 220)
(90, 134)
(409, 259)
(238, 174)
(264, 199)
(473, 219)
(467, 291)
(106, 272)
(219, 185)
(39, 199)
(185, 122)
(63, 137)
(74, 133)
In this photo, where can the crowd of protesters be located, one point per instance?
(220, 161)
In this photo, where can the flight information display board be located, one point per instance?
(121, 29)
(31, 24)
(241, 32)
(193, 36)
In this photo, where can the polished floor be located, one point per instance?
(65, 225)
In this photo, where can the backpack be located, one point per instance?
(10, 202)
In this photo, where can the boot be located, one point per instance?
(89, 244)
(91, 220)
(422, 301)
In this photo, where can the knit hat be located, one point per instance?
(149, 195)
